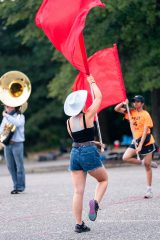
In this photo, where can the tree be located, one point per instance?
(140, 32)
(24, 47)
(134, 25)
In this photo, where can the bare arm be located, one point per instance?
(120, 107)
(92, 110)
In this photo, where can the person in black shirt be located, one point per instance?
(84, 157)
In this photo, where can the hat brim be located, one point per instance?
(137, 100)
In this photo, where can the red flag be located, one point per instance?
(105, 67)
(63, 22)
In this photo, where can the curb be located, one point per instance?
(64, 167)
(61, 168)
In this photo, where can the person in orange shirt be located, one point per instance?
(143, 142)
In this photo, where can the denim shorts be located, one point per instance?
(85, 158)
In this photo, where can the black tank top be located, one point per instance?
(84, 135)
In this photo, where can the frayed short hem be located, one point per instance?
(74, 170)
(95, 168)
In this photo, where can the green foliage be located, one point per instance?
(61, 84)
(133, 24)
(139, 33)
(24, 47)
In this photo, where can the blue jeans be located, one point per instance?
(86, 158)
(14, 155)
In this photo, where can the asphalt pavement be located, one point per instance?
(43, 211)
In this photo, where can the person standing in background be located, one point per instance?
(14, 148)
(141, 124)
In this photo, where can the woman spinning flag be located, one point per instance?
(84, 157)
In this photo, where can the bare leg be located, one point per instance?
(147, 164)
(128, 156)
(79, 181)
(101, 175)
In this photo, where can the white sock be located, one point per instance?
(149, 188)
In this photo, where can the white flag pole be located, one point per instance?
(130, 122)
(97, 121)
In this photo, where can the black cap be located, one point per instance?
(138, 98)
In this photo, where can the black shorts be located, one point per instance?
(145, 149)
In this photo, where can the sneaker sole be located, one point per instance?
(148, 197)
(81, 231)
(154, 165)
(92, 214)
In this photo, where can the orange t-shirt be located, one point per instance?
(139, 120)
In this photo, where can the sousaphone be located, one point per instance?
(15, 88)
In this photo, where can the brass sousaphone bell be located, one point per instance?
(15, 89)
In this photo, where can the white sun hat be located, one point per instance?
(75, 102)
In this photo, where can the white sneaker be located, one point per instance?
(154, 165)
(148, 194)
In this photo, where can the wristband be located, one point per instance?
(93, 82)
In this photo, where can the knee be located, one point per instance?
(147, 166)
(20, 168)
(125, 158)
(104, 179)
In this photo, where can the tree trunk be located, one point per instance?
(155, 105)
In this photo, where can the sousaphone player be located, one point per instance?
(15, 89)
